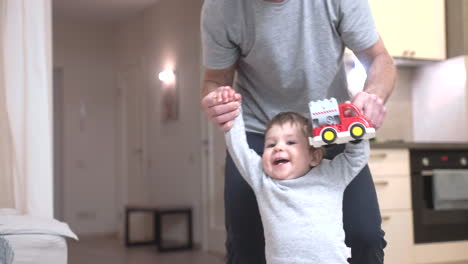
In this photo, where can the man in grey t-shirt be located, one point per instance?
(286, 53)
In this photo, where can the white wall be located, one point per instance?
(86, 55)
(168, 34)
(440, 101)
(93, 58)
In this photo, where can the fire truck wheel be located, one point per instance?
(357, 131)
(329, 135)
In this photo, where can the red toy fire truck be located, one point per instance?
(336, 124)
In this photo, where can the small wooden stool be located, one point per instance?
(158, 213)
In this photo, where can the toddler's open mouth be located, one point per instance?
(280, 161)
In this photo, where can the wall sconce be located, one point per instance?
(167, 76)
(169, 96)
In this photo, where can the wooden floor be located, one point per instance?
(107, 250)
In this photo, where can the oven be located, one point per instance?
(439, 183)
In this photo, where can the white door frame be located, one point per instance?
(214, 233)
(58, 76)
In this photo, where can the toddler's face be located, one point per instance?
(286, 152)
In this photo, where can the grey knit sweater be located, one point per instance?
(302, 217)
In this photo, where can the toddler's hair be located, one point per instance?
(294, 119)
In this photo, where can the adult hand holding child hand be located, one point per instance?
(222, 106)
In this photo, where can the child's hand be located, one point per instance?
(225, 94)
(222, 106)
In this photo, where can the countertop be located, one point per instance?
(418, 145)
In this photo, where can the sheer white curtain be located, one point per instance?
(26, 181)
(6, 150)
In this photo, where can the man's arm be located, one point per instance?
(381, 76)
(213, 79)
(221, 115)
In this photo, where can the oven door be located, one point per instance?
(440, 205)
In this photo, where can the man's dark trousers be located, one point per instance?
(245, 242)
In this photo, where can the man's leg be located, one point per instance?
(245, 242)
(361, 217)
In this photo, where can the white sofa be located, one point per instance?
(26, 239)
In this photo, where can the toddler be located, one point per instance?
(299, 193)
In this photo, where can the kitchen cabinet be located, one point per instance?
(391, 174)
(413, 29)
(398, 226)
(457, 27)
(390, 167)
(441, 253)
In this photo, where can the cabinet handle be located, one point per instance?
(385, 218)
(427, 173)
(381, 183)
(378, 155)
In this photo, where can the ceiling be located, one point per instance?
(99, 10)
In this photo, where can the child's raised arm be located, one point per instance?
(248, 162)
(354, 158)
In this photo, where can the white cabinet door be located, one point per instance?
(398, 227)
(412, 28)
(391, 173)
(393, 192)
(388, 16)
(389, 163)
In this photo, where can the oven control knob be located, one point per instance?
(463, 161)
(425, 161)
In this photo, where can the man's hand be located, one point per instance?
(371, 106)
(221, 106)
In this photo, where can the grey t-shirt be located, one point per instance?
(302, 218)
(287, 53)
